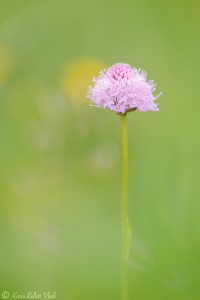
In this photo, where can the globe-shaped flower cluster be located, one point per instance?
(122, 88)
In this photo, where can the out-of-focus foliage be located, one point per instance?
(60, 166)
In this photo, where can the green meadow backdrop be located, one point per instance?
(60, 158)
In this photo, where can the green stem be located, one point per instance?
(125, 230)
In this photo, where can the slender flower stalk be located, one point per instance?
(125, 228)
(123, 89)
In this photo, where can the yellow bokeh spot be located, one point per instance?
(78, 76)
(5, 64)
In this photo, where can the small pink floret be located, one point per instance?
(120, 71)
(122, 88)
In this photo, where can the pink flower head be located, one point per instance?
(121, 88)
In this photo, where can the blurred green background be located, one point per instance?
(60, 158)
